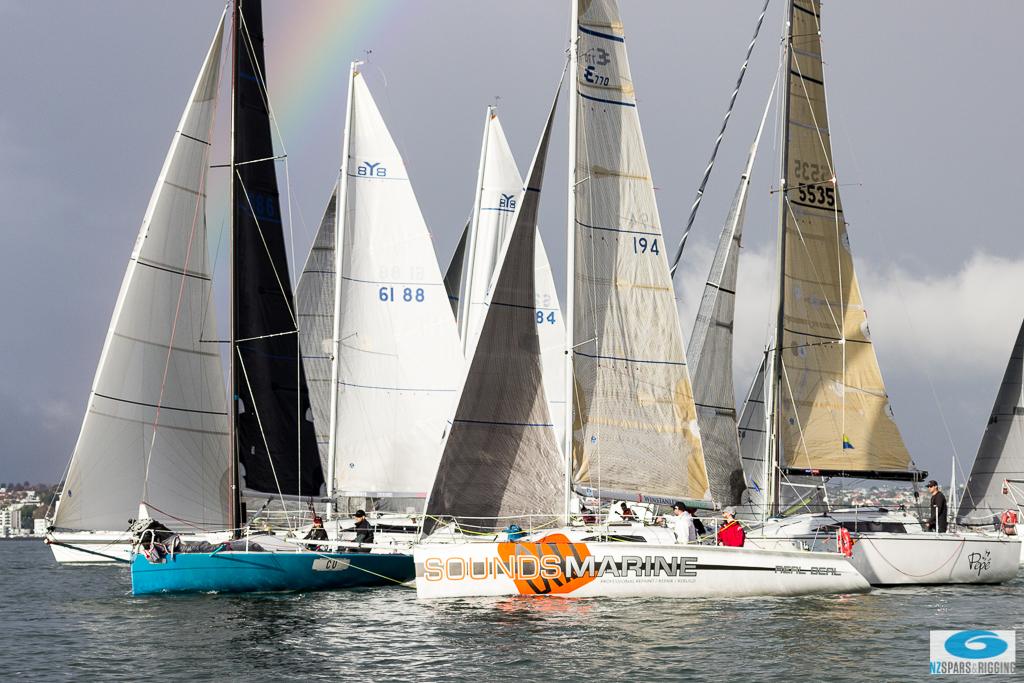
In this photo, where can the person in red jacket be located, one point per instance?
(731, 533)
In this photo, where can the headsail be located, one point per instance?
(635, 421)
(399, 363)
(710, 351)
(275, 437)
(834, 411)
(453, 276)
(499, 191)
(158, 396)
(314, 299)
(1001, 454)
(501, 460)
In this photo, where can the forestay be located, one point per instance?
(835, 413)
(158, 395)
(1001, 454)
(501, 460)
(635, 422)
(314, 301)
(399, 363)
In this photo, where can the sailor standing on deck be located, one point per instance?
(681, 522)
(937, 510)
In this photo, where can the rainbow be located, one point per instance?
(309, 50)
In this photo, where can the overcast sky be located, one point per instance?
(925, 105)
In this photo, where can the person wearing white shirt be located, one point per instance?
(681, 522)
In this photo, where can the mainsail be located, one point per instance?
(1001, 454)
(635, 424)
(274, 434)
(501, 460)
(314, 299)
(398, 359)
(472, 269)
(158, 401)
(833, 411)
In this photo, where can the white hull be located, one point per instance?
(105, 547)
(90, 547)
(625, 569)
(894, 558)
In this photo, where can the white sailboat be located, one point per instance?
(470, 275)
(632, 431)
(828, 411)
(995, 488)
(381, 346)
(156, 423)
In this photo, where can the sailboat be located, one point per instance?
(993, 500)
(157, 416)
(828, 413)
(272, 443)
(385, 385)
(471, 271)
(631, 431)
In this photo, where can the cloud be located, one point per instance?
(952, 323)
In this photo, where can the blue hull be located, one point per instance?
(253, 572)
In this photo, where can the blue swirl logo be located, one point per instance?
(975, 645)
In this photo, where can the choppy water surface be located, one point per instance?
(82, 622)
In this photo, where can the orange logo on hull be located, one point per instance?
(547, 582)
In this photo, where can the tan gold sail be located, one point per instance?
(635, 421)
(834, 410)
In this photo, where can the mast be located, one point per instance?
(465, 298)
(570, 256)
(234, 499)
(774, 461)
(339, 241)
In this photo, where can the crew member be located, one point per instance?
(681, 522)
(731, 533)
(627, 512)
(364, 532)
(937, 510)
(697, 524)
(317, 533)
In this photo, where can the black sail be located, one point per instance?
(274, 434)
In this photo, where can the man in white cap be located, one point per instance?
(731, 532)
(681, 522)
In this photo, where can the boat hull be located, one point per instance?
(556, 567)
(90, 547)
(894, 559)
(254, 572)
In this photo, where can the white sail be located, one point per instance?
(399, 363)
(158, 398)
(499, 191)
(501, 460)
(314, 297)
(1001, 453)
(635, 421)
(751, 430)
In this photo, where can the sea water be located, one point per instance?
(83, 623)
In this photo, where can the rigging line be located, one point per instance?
(196, 215)
(266, 249)
(714, 152)
(263, 435)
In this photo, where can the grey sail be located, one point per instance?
(1001, 454)
(314, 298)
(710, 356)
(453, 276)
(502, 446)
